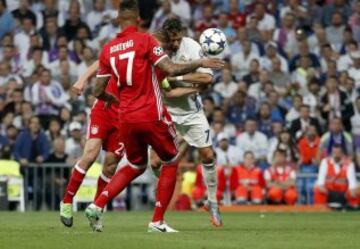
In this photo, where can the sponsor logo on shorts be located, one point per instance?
(94, 129)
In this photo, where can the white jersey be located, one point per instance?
(189, 50)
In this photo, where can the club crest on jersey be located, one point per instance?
(94, 129)
(158, 51)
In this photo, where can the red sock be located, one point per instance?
(73, 186)
(165, 190)
(101, 184)
(117, 184)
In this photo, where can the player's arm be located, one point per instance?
(80, 84)
(195, 78)
(180, 91)
(172, 69)
(100, 92)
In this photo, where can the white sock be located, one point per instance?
(210, 177)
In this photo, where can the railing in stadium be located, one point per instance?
(43, 186)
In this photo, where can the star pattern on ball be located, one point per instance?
(217, 32)
(221, 44)
(208, 40)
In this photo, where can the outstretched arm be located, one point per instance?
(171, 69)
(80, 84)
(180, 91)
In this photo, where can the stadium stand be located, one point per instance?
(291, 85)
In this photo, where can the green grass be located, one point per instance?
(128, 230)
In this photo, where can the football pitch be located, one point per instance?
(37, 230)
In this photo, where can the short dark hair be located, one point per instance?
(131, 5)
(3, 2)
(280, 151)
(173, 25)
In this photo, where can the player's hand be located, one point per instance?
(77, 88)
(213, 63)
(111, 100)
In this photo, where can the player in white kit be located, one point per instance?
(187, 111)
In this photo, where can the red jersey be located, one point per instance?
(130, 58)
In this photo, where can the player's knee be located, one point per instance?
(109, 169)
(207, 155)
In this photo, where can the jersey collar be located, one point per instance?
(128, 30)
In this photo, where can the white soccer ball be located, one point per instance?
(212, 41)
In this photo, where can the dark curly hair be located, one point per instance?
(172, 25)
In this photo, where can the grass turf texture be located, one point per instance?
(128, 230)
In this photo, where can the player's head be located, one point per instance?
(128, 13)
(174, 31)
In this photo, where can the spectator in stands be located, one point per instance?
(237, 18)
(278, 111)
(355, 68)
(227, 88)
(181, 8)
(11, 136)
(63, 55)
(227, 154)
(336, 184)
(264, 120)
(247, 183)
(336, 136)
(257, 90)
(302, 74)
(285, 36)
(32, 145)
(47, 96)
(252, 31)
(294, 111)
(240, 61)
(50, 33)
(73, 23)
(240, 109)
(300, 125)
(7, 22)
(335, 103)
(334, 32)
(266, 21)
(228, 127)
(340, 6)
(303, 49)
(24, 11)
(237, 45)
(208, 20)
(253, 140)
(280, 180)
(354, 21)
(163, 13)
(6, 75)
(97, 15)
(225, 26)
(58, 155)
(271, 52)
(253, 74)
(286, 143)
(280, 78)
(75, 143)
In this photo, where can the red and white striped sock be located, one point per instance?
(74, 184)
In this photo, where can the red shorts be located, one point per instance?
(160, 135)
(104, 125)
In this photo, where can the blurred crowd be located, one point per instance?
(288, 96)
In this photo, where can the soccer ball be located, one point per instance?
(212, 41)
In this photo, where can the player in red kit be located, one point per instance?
(102, 133)
(131, 58)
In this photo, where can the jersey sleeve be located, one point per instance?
(104, 69)
(155, 51)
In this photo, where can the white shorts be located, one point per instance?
(194, 128)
